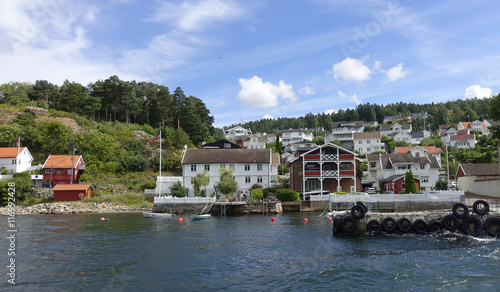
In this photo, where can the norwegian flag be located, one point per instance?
(18, 142)
(154, 139)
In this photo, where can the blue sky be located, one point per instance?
(249, 60)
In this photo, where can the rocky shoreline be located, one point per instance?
(73, 208)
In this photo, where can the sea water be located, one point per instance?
(127, 252)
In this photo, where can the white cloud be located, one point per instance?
(351, 70)
(307, 90)
(268, 117)
(376, 65)
(330, 111)
(477, 91)
(397, 72)
(194, 15)
(221, 104)
(354, 98)
(255, 93)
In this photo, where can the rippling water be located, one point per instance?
(249, 253)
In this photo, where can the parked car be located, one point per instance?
(389, 192)
(371, 191)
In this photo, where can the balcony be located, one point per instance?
(329, 157)
(329, 173)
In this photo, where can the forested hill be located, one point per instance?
(115, 100)
(448, 113)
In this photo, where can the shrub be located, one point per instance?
(177, 190)
(257, 194)
(287, 195)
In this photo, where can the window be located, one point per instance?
(373, 164)
(49, 171)
(207, 167)
(425, 179)
(58, 171)
(402, 186)
(259, 167)
(312, 185)
(231, 166)
(227, 145)
(417, 154)
(14, 161)
(367, 141)
(193, 167)
(368, 149)
(247, 179)
(222, 166)
(259, 179)
(247, 167)
(70, 171)
(422, 166)
(345, 166)
(360, 142)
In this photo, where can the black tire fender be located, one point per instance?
(362, 205)
(472, 226)
(349, 224)
(435, 226)
(460, 210)
(450, 222)
(337, 220)
(389, 224)
(420, 226)
(373, 226)
(358, 211)
(404, 225)
(492, 226)
(481, 207)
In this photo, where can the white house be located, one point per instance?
(392, 130)
(250, 166)
(344, 132)
(368, 142)
(295, 135)
(463, 141)
(236, 132)
(482, 126)
(445, 135)
(254, 141)
(413, 138)
(426, 169)
(15, 159)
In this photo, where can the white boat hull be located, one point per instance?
(157, 215)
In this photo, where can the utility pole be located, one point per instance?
(72, 166)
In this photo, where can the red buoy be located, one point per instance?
(330, 219)
(273, 219)
(305, 220)
(102, 219)
(180, 220)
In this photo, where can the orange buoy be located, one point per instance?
(330, 219)
(273, 219)
(305, 220)
(180, 220)
(102, 219)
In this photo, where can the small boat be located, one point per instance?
(200, 216)
(157, 215)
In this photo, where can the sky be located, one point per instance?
(249, 60)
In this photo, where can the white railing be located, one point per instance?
(429, 196)
(185, 200)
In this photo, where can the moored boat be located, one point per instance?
(157, 215)
(200, 216)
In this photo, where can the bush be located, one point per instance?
(287, 195)
(257, 194)
(177, 190)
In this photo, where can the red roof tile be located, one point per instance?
(6, 152)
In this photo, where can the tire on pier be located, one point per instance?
(404, 225)
(337, 221)
(358, 211)
(450, 222)
(373, 226)
(420, 226)
(460, 210)
(389, 225)
(349, 224)
(472, 226)
(435, 226)
(362, 205)
(492, 226)
(481, 207)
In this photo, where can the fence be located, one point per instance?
(185, 200)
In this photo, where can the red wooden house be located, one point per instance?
(62, 169)
(396, 183)
(74, 192)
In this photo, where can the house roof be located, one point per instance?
(7, 152)
(367, 135)
(462, 137)
(417, 134)
(396, 177)
(429, 149)
(200, 156)
(480, 169)
(356, 124)
(389, 127)
(72, 187)
(389, 160)
(61, 161)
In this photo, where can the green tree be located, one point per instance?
(410, 186)
(14, 93)
(201, 179)
(227, 185)
(177, 190)
(54, 137)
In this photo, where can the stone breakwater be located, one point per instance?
(73, 208)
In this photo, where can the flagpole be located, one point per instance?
(159, 188)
